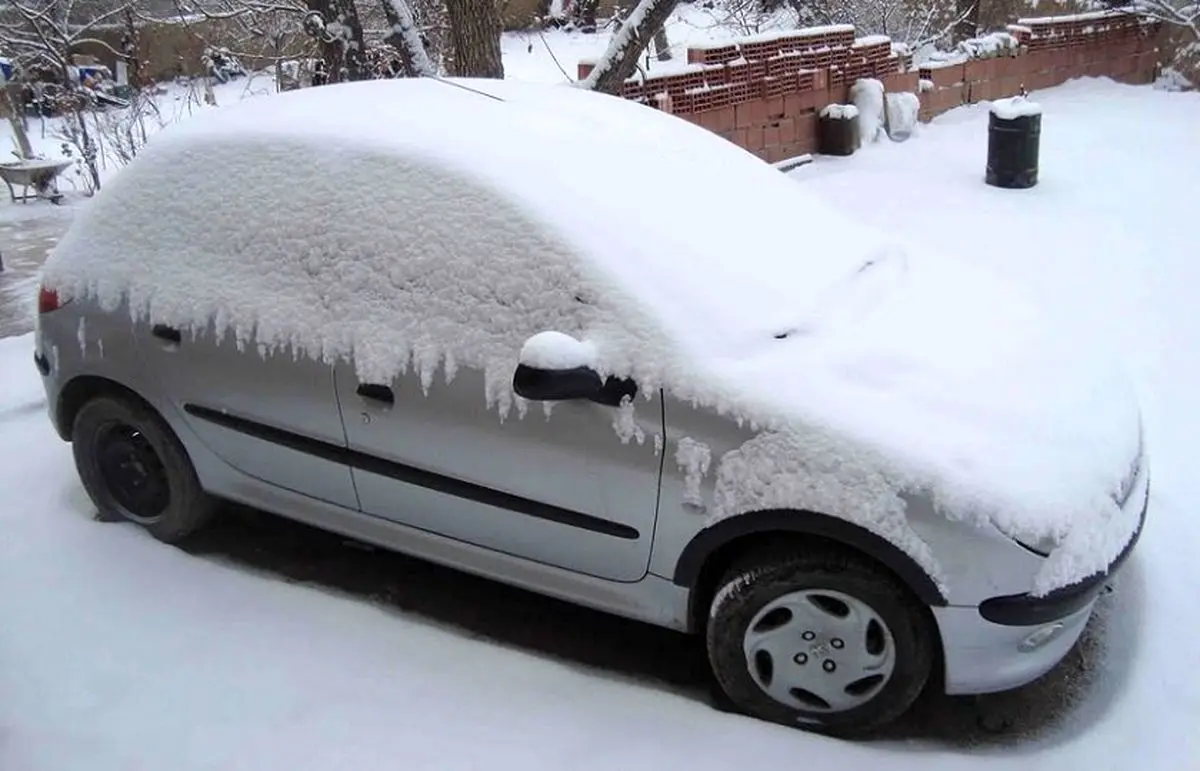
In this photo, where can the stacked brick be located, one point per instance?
(1051, 51)
(764, 93)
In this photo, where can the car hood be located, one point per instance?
(956, 379)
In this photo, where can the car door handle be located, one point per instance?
(168, 335)
(376, 393)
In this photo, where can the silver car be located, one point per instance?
(589, 482)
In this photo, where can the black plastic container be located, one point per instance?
(837, 135)
(1012, 160)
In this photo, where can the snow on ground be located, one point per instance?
(118, 652)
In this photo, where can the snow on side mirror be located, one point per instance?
(554, 351)
(557, 367)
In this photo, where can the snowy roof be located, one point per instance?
(621, 182)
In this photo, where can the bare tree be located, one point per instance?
(475, 31)
(916, 23)
(1177, 13)
(620, 59)
(43, 35)
(268, 31)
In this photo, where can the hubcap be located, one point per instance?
(133, 473)
(819, 650)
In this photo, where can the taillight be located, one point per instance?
(47, 300)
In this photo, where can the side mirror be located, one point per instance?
(557, 367)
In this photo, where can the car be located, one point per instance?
(582, 346)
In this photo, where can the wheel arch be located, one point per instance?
(711, 551)
(82, 389)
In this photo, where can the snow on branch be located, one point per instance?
(620, 60)
(1179, 13)
(406, 38)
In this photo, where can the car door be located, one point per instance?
(562, 488)
(273, 416)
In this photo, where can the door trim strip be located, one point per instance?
(428, 480)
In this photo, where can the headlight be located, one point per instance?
(1125, 489)
(1043, 546)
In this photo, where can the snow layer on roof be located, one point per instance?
(447, 227)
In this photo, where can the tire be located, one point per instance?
(782, 597)
(117, 441)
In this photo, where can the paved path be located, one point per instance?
(27, 233)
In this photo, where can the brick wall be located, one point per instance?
(765, 92)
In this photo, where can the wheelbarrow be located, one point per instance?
(39, 176)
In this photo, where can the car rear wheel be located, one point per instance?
(134, 469)
(825, 641)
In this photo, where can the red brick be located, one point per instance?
(750, 114)
(812, 100)
(906, 81)
(583, 69)
(792, 103)
(952, 97)
(948, 76)
(779, 153)
(719, 120)
(771, 137)
(754, 138)
(821, 79)
(976, 69)
(775, 108)
(740, 137)
(1011, 86)
(806, 128)
(1008, 66)
(787, 131)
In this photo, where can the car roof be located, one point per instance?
(693, 227)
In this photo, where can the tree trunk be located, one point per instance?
(343, 54)
(475, 30)
(620, 60)
(662, 46)
(406, 38)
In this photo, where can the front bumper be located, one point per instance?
(1012, 640)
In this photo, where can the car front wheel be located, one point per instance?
(825, 641)
(134, 468)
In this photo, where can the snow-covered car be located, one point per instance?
(579, 345)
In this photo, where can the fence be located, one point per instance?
(765, 92)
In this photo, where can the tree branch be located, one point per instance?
(624, 48)
(406, 38)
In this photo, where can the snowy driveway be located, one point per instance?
(27, 233)
(118, 652)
